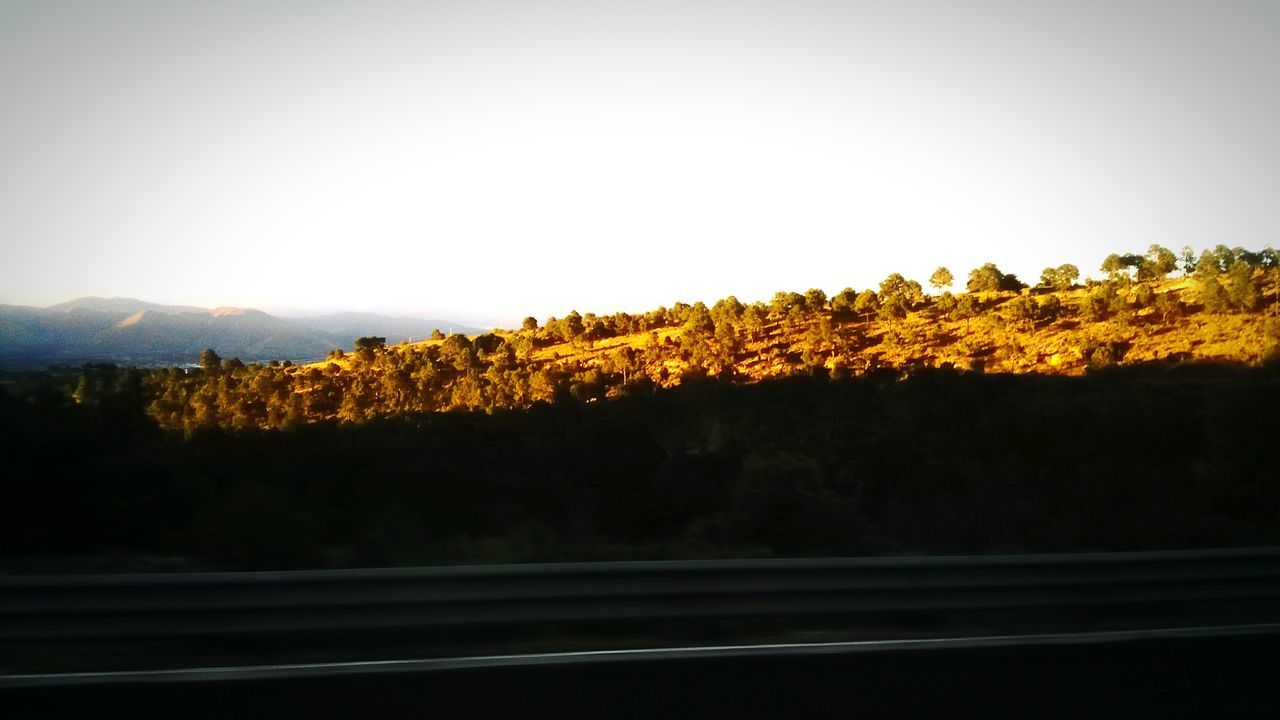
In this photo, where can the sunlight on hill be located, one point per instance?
(1226, 312)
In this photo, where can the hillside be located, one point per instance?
(1226, 315)
(995, 339)
(1122, 414)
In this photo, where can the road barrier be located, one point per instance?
(197, 604)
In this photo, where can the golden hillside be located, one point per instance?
(996, 339)
(1228, 311)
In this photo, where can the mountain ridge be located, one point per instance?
(131, 331)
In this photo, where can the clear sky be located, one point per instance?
(485, 160)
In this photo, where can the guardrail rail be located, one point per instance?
(195, 604)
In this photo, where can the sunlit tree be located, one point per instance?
(941, 278)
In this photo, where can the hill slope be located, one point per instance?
(1060, 332)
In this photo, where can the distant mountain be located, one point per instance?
(128, 306)
(129, 331)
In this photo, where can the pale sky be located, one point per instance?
(485, 160)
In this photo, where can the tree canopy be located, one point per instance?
(989, 278)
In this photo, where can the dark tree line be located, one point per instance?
(1130, 458)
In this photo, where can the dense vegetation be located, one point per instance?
(636, 437)
(944, 461)
(1223, 310)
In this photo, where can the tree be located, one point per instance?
(529, 323)
(784, 301)
(908, 292)
(1268, 258)
(209, 360)
(1188, 259)
(866, 303)
(966, 307)
(946, 303)
(844, 300)
(1022, 310)
(489, 343)
(1062, 277)
(815, 299)
(941, 278)
(1159, 262)
(437, 335)
(1112, 265)
(1143, 296)
(1207, 265)
(893, 307)
(571, 326)
(1243, 293)
(988, 278)
(1214, 296)
(1118, 267)
(459, 350)
(699, 320)
(1100, 302)
(1049, 308)
(727, 309)
(753, 318)
(1224, 258)
(368, 347)
(1167, 304)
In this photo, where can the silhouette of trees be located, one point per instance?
(801, 466)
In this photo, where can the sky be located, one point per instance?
(484, 160)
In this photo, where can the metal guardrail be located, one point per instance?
(195, 604)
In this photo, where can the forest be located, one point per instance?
(1132, 412)
(1222, 309)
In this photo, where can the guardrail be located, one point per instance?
(196, 604)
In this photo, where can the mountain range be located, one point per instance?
(134, 332)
